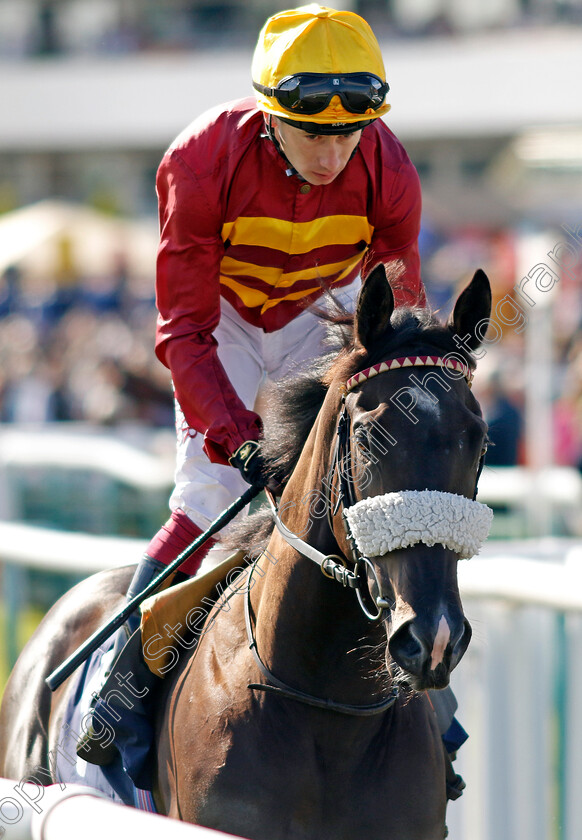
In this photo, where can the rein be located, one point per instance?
(277, 686)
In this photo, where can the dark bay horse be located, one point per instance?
(302, 714)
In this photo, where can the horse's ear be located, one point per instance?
(374, 308)
(473, 306)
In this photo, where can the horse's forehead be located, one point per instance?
(404, 394)
(429, 406)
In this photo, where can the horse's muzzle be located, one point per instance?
(428, 655)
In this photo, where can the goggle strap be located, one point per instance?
(266, 91)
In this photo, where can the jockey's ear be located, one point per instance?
(472, 311)
(374, 308)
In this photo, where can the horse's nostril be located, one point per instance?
(462, 643)
(410, 648)
(406, 649)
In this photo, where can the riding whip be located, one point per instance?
(65, 669)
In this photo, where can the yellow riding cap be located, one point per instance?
(322, 65)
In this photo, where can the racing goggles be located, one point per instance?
(311, 93)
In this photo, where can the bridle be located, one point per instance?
(333, 566)
(277, 686)
(341, 465)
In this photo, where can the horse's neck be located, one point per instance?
(310, 630)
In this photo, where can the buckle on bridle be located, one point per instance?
(334, 567)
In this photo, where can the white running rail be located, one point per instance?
(57, 812)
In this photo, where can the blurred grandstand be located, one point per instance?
(483, 97)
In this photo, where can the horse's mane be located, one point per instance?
(294, 403)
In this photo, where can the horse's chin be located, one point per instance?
(437, 679)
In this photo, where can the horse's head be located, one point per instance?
(406, 471)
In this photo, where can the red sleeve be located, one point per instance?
(396, 237)
(188, 302)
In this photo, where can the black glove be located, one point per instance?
(249, 460)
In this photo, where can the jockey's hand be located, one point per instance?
(249, 459)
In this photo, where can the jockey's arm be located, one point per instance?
(396, 232)
(188, 301)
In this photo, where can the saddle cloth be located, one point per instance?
(180, 611)
(166, 610)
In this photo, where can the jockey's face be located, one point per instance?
(318, 158)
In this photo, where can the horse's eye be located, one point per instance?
(361, 440)
(360, 435)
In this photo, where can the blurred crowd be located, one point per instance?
(39, 28)
(83, 350)
(505, 368)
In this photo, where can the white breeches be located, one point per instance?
(251, 359)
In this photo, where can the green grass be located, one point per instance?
(27, 622)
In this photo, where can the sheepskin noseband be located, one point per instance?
(382, 524)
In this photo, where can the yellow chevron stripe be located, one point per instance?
(250, 297)
(297, 237)
(253, 297)
(297, 295)
(275, 277)
(293, 296)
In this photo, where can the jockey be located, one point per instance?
(264, 205)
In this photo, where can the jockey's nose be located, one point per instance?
(330, 157)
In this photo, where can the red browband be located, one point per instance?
(410, 361)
